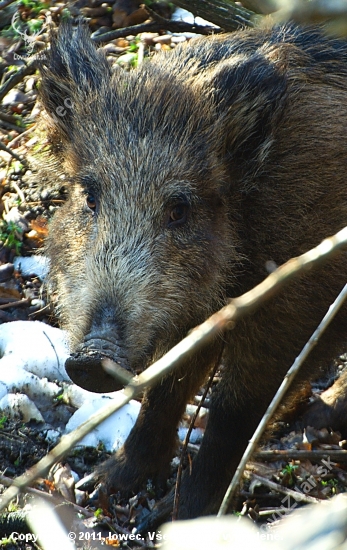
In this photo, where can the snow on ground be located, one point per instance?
(32, 362)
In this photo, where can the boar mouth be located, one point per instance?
(86, 369)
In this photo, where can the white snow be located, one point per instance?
(32, 265)
(32, 375)
(181, 14)
(113, 431)
(32, 359)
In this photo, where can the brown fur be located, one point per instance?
(246, 134)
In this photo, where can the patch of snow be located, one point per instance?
(181, 14)
(32, 265)
(195, 436)
(20, 407)
(32, 359)
(113, 431)
(35, 347)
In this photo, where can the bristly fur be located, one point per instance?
(248, 132)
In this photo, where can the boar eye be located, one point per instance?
(178, 215)
(91, 202)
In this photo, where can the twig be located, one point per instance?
(22, 302)
(140, 53)
(20, 136)
(18, 190)
(211, 328)
(154, 26)
(7, 482)
(9, 126)
(17, 77)
(10, 152)
(8, 118)
(6, 3)
(280, 489)
(293, 454)
(186, 439)
(52, 345)
(288, 379)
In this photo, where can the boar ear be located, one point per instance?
(72, 71)
(249, 97)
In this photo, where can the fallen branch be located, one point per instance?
(154, 26)
(23, 302)
(12, 153)
(301, 497)
(211, 328)
(29, 68)
(5, 3)
(292, 454)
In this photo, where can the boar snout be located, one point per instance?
(86, 367)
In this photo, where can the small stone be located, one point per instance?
(37, 303)
(14, 96)
(121, 43)
(178, 39)
(164, 39)
(18, 219)
(30, 84)
(148, 37)
(45, 194)
(111, 48)
(127, 58)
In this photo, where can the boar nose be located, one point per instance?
(87, 370)
(85, 366)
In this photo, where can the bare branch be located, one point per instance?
(293, 454)
(154, 26)
(280, 489)
(10, 152)
(186, 439)
(29, 68)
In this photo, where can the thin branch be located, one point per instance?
(288, 379)
(301, 497)
(23, 302)
(186, 439)
(8, 118)
(9, 126)
(29, 68)
(5, 3)
(211, 328)
(10, 152)
(154, 26)
(20, 136)
(292, 454)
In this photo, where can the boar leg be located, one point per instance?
(150, 445)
